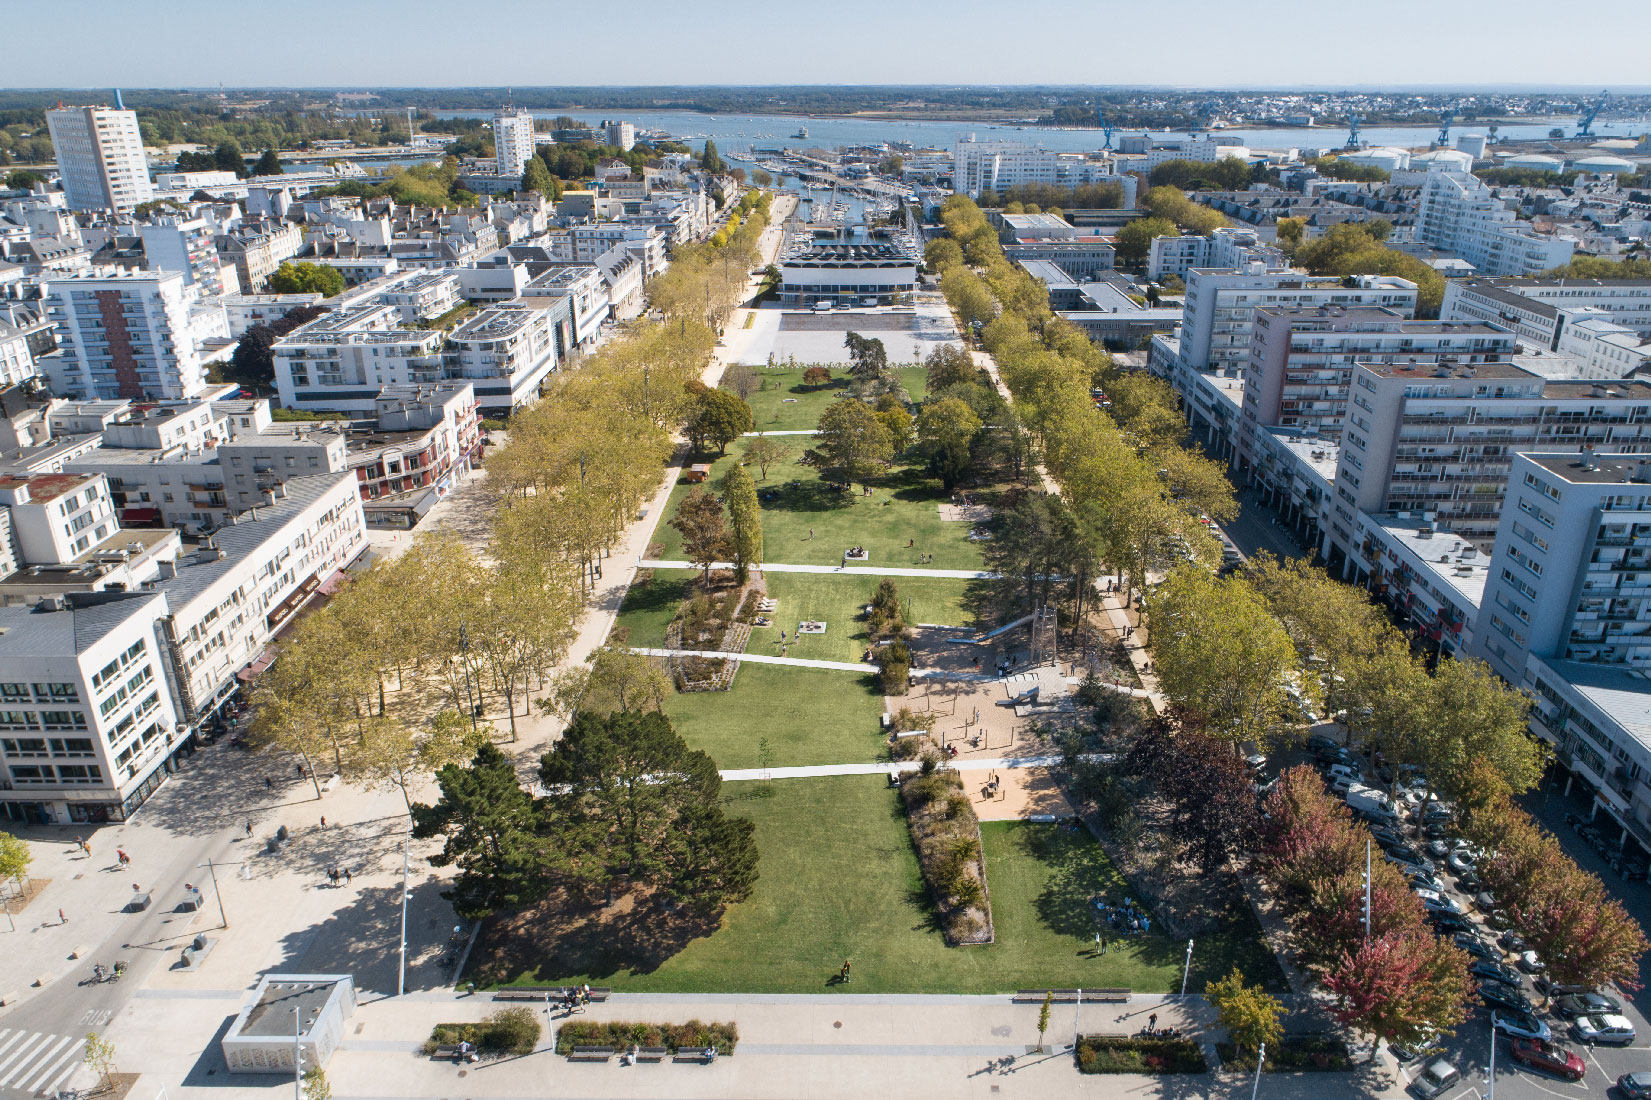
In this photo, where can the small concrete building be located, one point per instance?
(291, 1015)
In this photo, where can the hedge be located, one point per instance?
(1308, 1052)
(1123, 1054)
(621, 1034)
(507, 1031)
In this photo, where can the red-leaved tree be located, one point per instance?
(1400, 986)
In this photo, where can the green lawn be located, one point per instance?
(837, 600)
(809, 716)
(839, 881)
(832, 598)
(784, 404)
(904, 506)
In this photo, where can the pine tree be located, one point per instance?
(491, 828)
(536, 177)
(745, 515)
(269, 164)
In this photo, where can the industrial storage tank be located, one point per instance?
(1536, 162)
(1390, 160)
(1602, 165)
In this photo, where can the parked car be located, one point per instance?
(1540, 1054)
(1407, 858)
(1435, 902)
(1635, 1086)
(1460, 862)
(1587, 1004)
(1469, 883)
(1321, 742)
(1519, 1025)
(1342, 771)
(1386, 836)
(1424, 1047)
(1419, 877)
(1256, 761)
(1438, 813)
(1550, 988)
(1529, 962)
(1484, 901)
(1450, 923)
(1499, 995)
(1439, 1077)
(1511, 942)
(1494, 971)
(1478, 948)
(1608, 1028)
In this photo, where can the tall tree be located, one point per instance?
(537, 178)
(493, 836)
(851, 444)
(269, 164)
(614, 680)
(1209, 787)
(868, 358)
(1221, 655)
(745, 521)
(15, 858)
(704, 534)
(765, 452)
(946, 431)
(1400, 987)
(948, 365)
(719, 417)
(709, 160)
(1251, 1015)
(638, 806)
(228, 158)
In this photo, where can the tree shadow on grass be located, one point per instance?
(806, 496)
(564, 937)
(657, 595)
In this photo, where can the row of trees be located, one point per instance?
(381, 688)
(1394, 979)
(1356, 248)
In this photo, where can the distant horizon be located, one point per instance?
(1505, 89)
(1308, 45)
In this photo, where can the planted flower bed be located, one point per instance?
(946, 832)
(507, 1031)
(1125, 1054)
(622, 1034)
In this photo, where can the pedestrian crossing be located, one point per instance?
(37, 1061)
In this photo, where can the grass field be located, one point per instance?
(904, 506)
(837, 600)
(786, 405)
(809, 716)
(839, 881)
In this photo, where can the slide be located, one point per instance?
(982, 639)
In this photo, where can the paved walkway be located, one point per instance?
(754, 658)
(789, 431)
(846, 570)
(816, 771)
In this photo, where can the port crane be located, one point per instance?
(1106, 128)
(1444, 127)
(1354, 141)
(1585, 126)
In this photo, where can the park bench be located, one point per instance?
(447, 1053)
(591, 1054)
(652, 1054)
(1070, 996)
(554, 992)
(693, 1054)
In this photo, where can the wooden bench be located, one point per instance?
(1070, 996)
(449, 1052)
(554, 992)
(693, 1054)
(591, 1054)
(652, 1054)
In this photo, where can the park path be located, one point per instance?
(788, 431)
(846, 570)
(817, 771)
(1133, 634)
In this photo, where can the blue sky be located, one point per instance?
(1196, 43)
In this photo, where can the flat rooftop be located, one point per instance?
(1452, 561)
(1317, 454)
(1622, 694)
(1600, 470)
(1422, 371)
(272, 1015)
(44, 488)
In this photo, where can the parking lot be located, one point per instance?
(1470, 1049)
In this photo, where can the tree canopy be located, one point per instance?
(298, 277)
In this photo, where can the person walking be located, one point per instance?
(61, 919)
(249, 828)
(332, 875)
(269, 784)
(844, 973)
(347, 877)
(323, 821)
(125, 860)
(1152, 1022)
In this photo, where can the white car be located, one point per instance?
(1342, 771)
(1437, 1078)
(1461, 862)
(1609, 1028)
(1435, 902)
(1520, 1025)
(1529, 962)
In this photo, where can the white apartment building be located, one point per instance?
(512, 140)
(1456, 213)
(1604, 348)
(57, 517)
(88, 728)
(420, 295)
(1228, 247)
(16, 361)
(998, 165)
(231, 596)
(1438, 439)
(587, 297)
(188, 246)
(245, 310)
(341, 360)
(1221, 305)
(620, 133)
(128, 335)
(100, 158)
(507, 351)
(1540, 309)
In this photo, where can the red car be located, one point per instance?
(1549, 1058)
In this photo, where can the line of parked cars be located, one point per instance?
(1415, 834)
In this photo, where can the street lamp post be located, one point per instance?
(1490, 1074)
(1260, 1057)
(297, 1057)
(211, 869)
(1186, 969)
(464, 649)
(406, 856)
